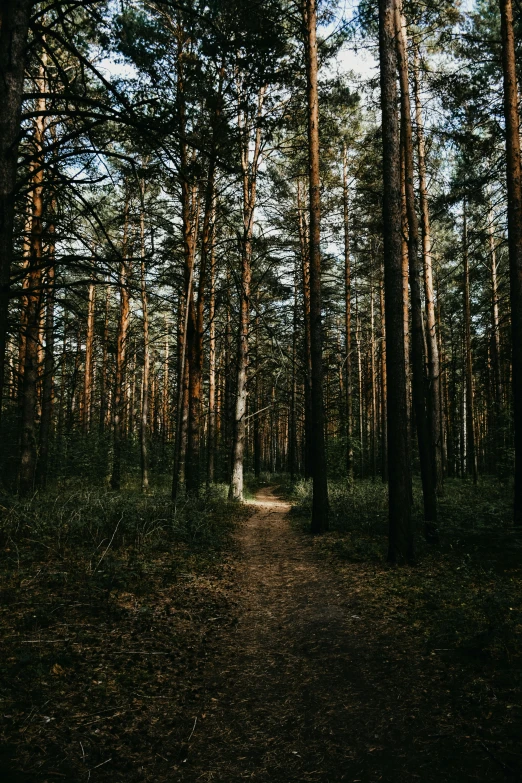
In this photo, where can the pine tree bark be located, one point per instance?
(514, 188)
(14, 24)
(424, 435)
(121, 356)
(28, 446)
(495, 321)
(320, 505)
(104, 387)
(399, 467)
(347, 321)
(384, 385)
(88, 373)
(196, 331)
(144, 416)
(249, 171)
(470, 462)
(211, 448)
(48, 368)
(434, 406)
(305, 264)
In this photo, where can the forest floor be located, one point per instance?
(279, 663)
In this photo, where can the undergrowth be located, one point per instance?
(108, 606)
(464, 595)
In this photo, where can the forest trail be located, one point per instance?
(274, 716)
(310, 688)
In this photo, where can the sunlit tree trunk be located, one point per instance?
(249, 171)
(120, 359)
(165, 395)
(88, 373)
(144, 417)
(399, 468)
(384, 390)
(196, 329)
(211, 449)
(187, 336)
(104, 386)
(347, 320)
(514, 188)
(434, 406)
(28, 450)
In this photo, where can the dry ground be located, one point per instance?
(319, 685)
(283, 667)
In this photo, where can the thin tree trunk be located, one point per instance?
(305, 262)
(14, 23)
(292, 421)
(24, 302)
(211, 448)
(104, 387)
(48, 369)
(258, 405)
(495, 320)
(347, 321)
(514, 188)
(144, 418)
(373, 388)
(319, 521)
(384, 389)
(469, 412)
(121, 354)
(399, 468)
(196, 329)
(359, 385)
(88, 374)
(165, 398)
(28, 453)
(434, 406)
(249, 204)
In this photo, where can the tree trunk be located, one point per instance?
(48, 370)
(399, 468)
(28, 453)
(104, 387)
(384, 389)
(434, 406)
(373, 389)
(88, 374)
(347, 321)
(319, 521)
(249, 203)
(426, 448)
(514, 188)
(470, 462)
(165, 396)
(196, 329)
(121, 354)
(211, 448)
(14, 22)
(305, 262)
(144, 418)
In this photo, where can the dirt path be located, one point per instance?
(312, 687)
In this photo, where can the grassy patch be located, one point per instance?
(464, 596)
(110, 604)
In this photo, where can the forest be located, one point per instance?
(260, 391)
